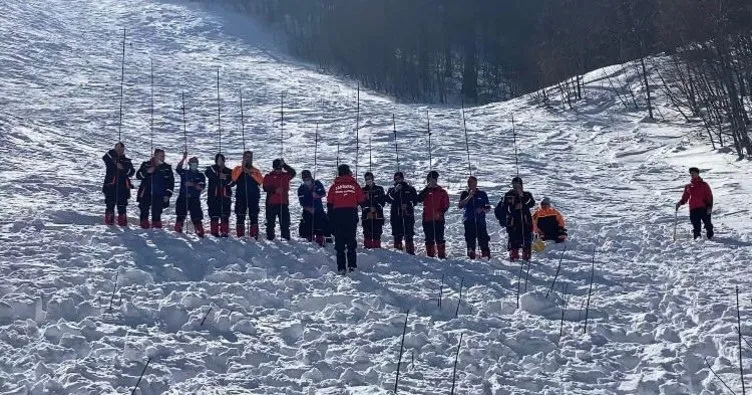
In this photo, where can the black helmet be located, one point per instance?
(433, 175)
(343, 170)
(277, 164)
(694, 170)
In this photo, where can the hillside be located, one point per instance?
(281, 320)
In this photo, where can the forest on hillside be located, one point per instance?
(480, 51)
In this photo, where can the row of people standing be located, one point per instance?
(157, 185)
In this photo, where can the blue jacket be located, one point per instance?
(480, 200)
(188, 175)
(305, 196)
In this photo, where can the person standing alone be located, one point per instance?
(700, 198)
(343, 199)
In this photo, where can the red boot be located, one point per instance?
(431, 249)
(145, 224)
(240, 230)
(471, 254)
(156, 225)
(214, 228)
(526, 254)
(485, 252)
(224, 228)
(199, 227)
(122, 220)
(376, 243)
(441, 250)
(109, 218)
(514, 254)
(320, 240)
(179, 227)
(398, 245)
(253, 233)
(410, 247)
(367, 243)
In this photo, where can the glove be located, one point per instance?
(709, 210)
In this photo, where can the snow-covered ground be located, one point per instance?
(280, 321)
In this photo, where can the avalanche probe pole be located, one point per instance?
(357, 135)
(396, 148)
(467, 143)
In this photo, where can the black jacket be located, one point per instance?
(218, 188)
(406, 196)
(159, 184)
(115, 177)
(375, 198)
(510, 216)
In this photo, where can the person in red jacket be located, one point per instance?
(700, 198)
(435, 204)
(343, 199)
(277, 188)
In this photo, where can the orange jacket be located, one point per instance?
(255, 174)
(543, 218)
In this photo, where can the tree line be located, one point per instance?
(480, 51)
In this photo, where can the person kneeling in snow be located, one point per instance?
(343, 199)
(314, 222)
(157, 183)
(548, 223)
(700, 198)
(192, 182)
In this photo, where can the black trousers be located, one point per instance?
(519, 238)
(700, 216)
(281, 211)
(434, 231)
(344, 221)
(476, 232)
(145, 205)
(243, 206)
(193, 206)
(318, 223)
(402, 227)
(110, 197)
(219, 208)
(373, 227)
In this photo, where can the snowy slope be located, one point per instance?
(281, 321)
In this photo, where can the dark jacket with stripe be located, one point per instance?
(158, 184)
(510, 216)
(218, 188)
(115, 177)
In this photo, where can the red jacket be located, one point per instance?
(435, 203)
(277, 180)
(344, 193)
(698, 194)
